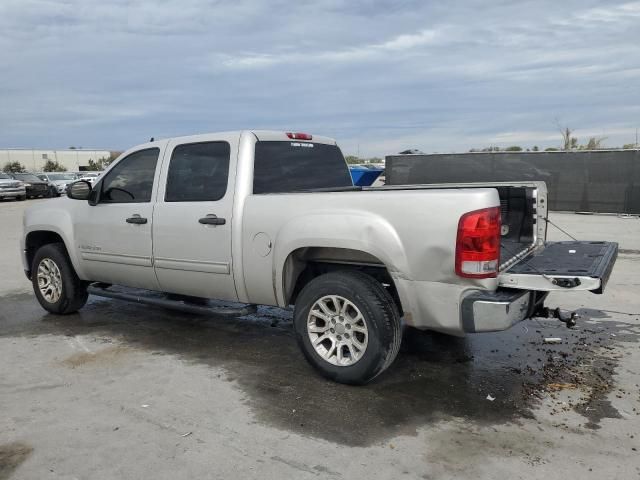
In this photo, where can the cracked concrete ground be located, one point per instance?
(126, 391)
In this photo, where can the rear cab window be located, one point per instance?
(294, 166)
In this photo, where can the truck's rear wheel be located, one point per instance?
(347, 326)
(55, 283)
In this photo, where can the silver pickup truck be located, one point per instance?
(272, 218)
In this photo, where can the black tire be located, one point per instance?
(74, 291)
(21, 198)
(380, 315)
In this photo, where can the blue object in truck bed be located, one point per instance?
(364, 176)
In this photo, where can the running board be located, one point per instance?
(173, 304)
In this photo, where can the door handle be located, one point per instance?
(212, 219)
(137, 219)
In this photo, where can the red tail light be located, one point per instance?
(478, 244)
(300, 136)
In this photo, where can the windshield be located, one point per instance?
(4, 176)
(294, 166)
(61, 176)
(27, 177)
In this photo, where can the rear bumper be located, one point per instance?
(499, 310)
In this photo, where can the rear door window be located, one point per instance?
(198, 172)
(293, 166)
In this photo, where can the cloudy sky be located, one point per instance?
(378, 75)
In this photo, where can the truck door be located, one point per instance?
(192, 218)
(113, 237)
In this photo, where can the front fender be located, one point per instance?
(56, 220)
(365, 232)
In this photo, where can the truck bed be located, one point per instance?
(522, 208)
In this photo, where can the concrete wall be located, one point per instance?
(34, 160)
(606, 181)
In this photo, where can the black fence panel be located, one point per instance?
(605, 181)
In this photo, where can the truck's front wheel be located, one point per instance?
(347, 326)
(55, 283)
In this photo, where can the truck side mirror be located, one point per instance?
(79, 190)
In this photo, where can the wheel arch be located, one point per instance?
(341, 239)
(304, 264)
(36, 239)
(49, 224)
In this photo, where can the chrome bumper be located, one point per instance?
(12, 192)
(499, 310)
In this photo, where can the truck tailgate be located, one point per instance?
(572, 265)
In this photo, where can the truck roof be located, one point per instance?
(262, 135)
(275, 135)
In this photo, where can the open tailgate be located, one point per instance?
(572, 265)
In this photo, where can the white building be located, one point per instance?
(34, 160)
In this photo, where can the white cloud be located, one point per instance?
(398, 44)
(611, 14)
(382, 74)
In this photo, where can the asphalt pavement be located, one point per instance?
(130, 392)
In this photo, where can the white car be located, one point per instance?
(90, 177)
(58, 180)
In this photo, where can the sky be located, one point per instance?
(378, 76)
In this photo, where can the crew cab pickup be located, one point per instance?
(272, 218)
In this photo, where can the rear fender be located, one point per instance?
(353, 231)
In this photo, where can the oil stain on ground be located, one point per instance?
(435, 376)
(12, 455)
(109, 355)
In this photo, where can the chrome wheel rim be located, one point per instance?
(49, 280)
(337, 330)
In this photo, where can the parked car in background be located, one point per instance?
(35, 187)
(11, 188)
(90, 176)
(58, 181)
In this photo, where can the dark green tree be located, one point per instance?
(595, 143)
(51, 166)
(101, 163)
(13, 167)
